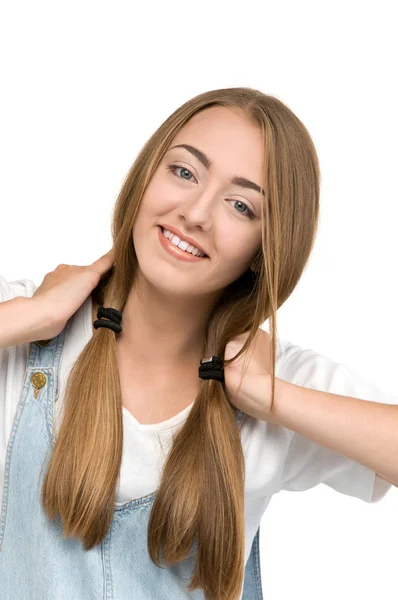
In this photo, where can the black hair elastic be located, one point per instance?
(114, 316)
(212, 368)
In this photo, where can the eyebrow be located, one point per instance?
(206, 162)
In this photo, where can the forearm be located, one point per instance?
(22, 320)
(364, 431)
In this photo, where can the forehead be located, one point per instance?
(227, 136)
(220, 122)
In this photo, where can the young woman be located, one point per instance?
(147, 417)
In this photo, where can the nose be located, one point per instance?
(198, 211)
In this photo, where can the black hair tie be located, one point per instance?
(114, 316)
(212, 368)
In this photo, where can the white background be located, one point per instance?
(84, 84)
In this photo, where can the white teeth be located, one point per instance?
(174, 239)
(183, 245)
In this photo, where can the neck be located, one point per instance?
(162, 330)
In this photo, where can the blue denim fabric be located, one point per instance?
(36, 561)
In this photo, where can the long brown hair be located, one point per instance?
(206, 459)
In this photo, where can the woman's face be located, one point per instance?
(204, 204)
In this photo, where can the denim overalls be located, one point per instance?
(36, 561)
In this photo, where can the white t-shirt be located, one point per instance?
(276, 458)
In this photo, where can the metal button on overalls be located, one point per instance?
(38, 380)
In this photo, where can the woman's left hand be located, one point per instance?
(254, 395)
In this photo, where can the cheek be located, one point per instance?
(159, 199)
(234, 250)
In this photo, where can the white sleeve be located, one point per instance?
(12, 370)
(308, 464)
(12, 289)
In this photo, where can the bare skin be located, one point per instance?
(157, 400)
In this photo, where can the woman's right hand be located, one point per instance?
(64, 290)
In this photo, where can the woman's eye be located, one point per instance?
(172, 169)
(248, 212)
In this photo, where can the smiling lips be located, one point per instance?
(182, 237)
(181, 243)
(175, 251)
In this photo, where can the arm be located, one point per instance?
(21, 320)
(363, 431)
